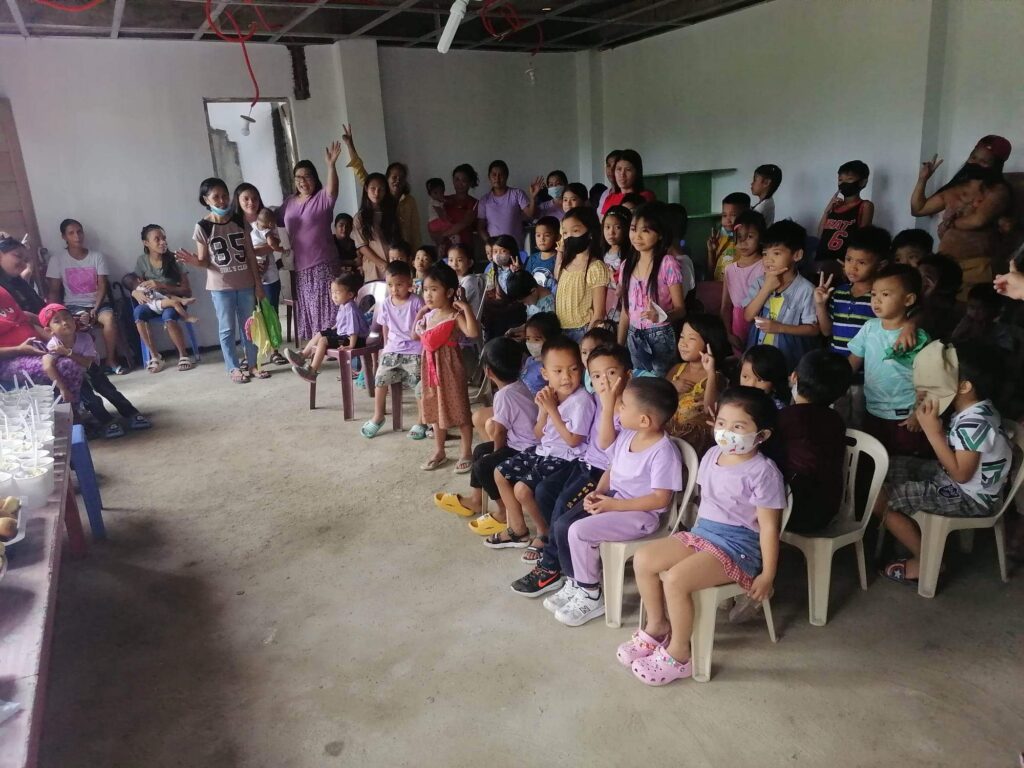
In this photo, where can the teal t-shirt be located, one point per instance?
(888, 379)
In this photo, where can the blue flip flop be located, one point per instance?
(370, 429)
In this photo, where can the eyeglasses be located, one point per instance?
(303, 177)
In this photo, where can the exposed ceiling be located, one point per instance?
(521, 25)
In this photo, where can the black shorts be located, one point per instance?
(334, 340)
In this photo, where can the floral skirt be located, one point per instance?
(313, 296)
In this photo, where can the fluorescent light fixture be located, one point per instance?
(458, 12)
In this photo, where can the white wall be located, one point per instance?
(475, 107)
(777, 83)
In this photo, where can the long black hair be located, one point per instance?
(168, 264)
(308, 165)
(239, 191)
(587, 216)
(654, 216)
(624, 216)
(388, 212)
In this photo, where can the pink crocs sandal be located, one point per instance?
(639, 645)
(660, 669)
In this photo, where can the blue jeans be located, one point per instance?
(144, 314)
(233, 308)
(273, 292)
(652, 349)
(576, 334)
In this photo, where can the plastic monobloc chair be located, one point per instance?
(935, 529)
(615, 554)
(819, 548)
(88, 486)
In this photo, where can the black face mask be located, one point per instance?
(575, 245)
(848, 188)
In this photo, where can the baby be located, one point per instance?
(147, 296)
(265, 232)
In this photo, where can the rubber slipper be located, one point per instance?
(486, 524)
(370, 429)
(433, 463)
(897, 571)
(462, 466)
(512, 540)
(449, 502)
(418, 432)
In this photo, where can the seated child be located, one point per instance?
(536, 333)
(523, 287)
(400, 356)
(810, 440)
(722, 240)
(510, 428)
(645, 470)
(911, 245)
(889, 396)
(158, 302)
(541, 264)
(735, 539)
(349, 331)
(764, 368)
(66, 342)
(781, 303)
(845, 213)
(598, 336)
(746, 267)
(941, 280)
(764, 185)
(423, 260)
(703, 347)
(973, 457)
(559, 496)
(564, 420)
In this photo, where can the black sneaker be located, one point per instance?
(537, 582)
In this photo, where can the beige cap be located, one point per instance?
(937, 373)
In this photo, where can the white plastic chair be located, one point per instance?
(705, 614)
(615, 554)
(845, 529)
(935, 529)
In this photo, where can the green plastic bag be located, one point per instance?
(256, 329)
(273, 324)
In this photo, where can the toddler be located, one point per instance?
(580, 273)
(538, 330)
(735, 539)
(844, 214)
(445, 388)
(349, 331)
(560, 495)
(523, 287)
(746, 267)
(158, 302)
(781, 303)
(764, 185)
(509, 428)
(911, 245)
(645, 470)
(972, 458)
(592, 339)
(615, 227)
(344, 243)
(401, 355)
(698, 379)
(265, 232)
(425, 258)
(541, 264)
(722, 241)
(564, 420)
(652, 294)
(764, 367)
(889, 396)
(66, 341)
(941, 280)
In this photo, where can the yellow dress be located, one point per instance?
(689, 422)
(574, 299)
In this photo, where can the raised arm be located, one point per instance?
(920, 203)
(331, 155)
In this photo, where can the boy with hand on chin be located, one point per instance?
(781, 302)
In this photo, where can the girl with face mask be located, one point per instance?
(580, 273)
(735, 539)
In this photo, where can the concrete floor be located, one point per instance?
(278, 591)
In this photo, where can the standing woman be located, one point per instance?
(609, 173)
(502, 210)
(307, 216)
(629, 179)
(375, 226)
(159, 271)
(971, 236)
(460, 207)
(224, 250)
(397, 175)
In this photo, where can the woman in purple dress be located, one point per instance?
(308, 216)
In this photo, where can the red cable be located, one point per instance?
(245, 55)
(70, 8)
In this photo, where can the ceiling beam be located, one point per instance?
(614, 19)
(298, 20)
(430, 36)
(19, 20)
(383, 17)
(536, 20)
(115, 25)
(716, 9)
(215, 12)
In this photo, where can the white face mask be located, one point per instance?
(534, 348)
(734, 443)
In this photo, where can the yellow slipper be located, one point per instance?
(485, 525)
(449, 502)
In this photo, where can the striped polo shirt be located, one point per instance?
(848, 313)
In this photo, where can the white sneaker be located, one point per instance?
(581, 608)
(561, 597)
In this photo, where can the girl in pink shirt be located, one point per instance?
(741, 274)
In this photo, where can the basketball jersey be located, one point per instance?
(838, 226)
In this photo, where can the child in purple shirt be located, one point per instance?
(559, 495)
(349, 331)
(564, 419)
(735, 539)
(644, 472)
(400, 357)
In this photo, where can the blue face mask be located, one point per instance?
(556, 191)
(587, 383)
(218, 211)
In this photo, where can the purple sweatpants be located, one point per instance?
(586, 535)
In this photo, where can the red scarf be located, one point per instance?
(441, 335)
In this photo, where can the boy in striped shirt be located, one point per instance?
(844, 309)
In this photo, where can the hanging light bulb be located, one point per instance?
(247, 120)
(457, 13)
